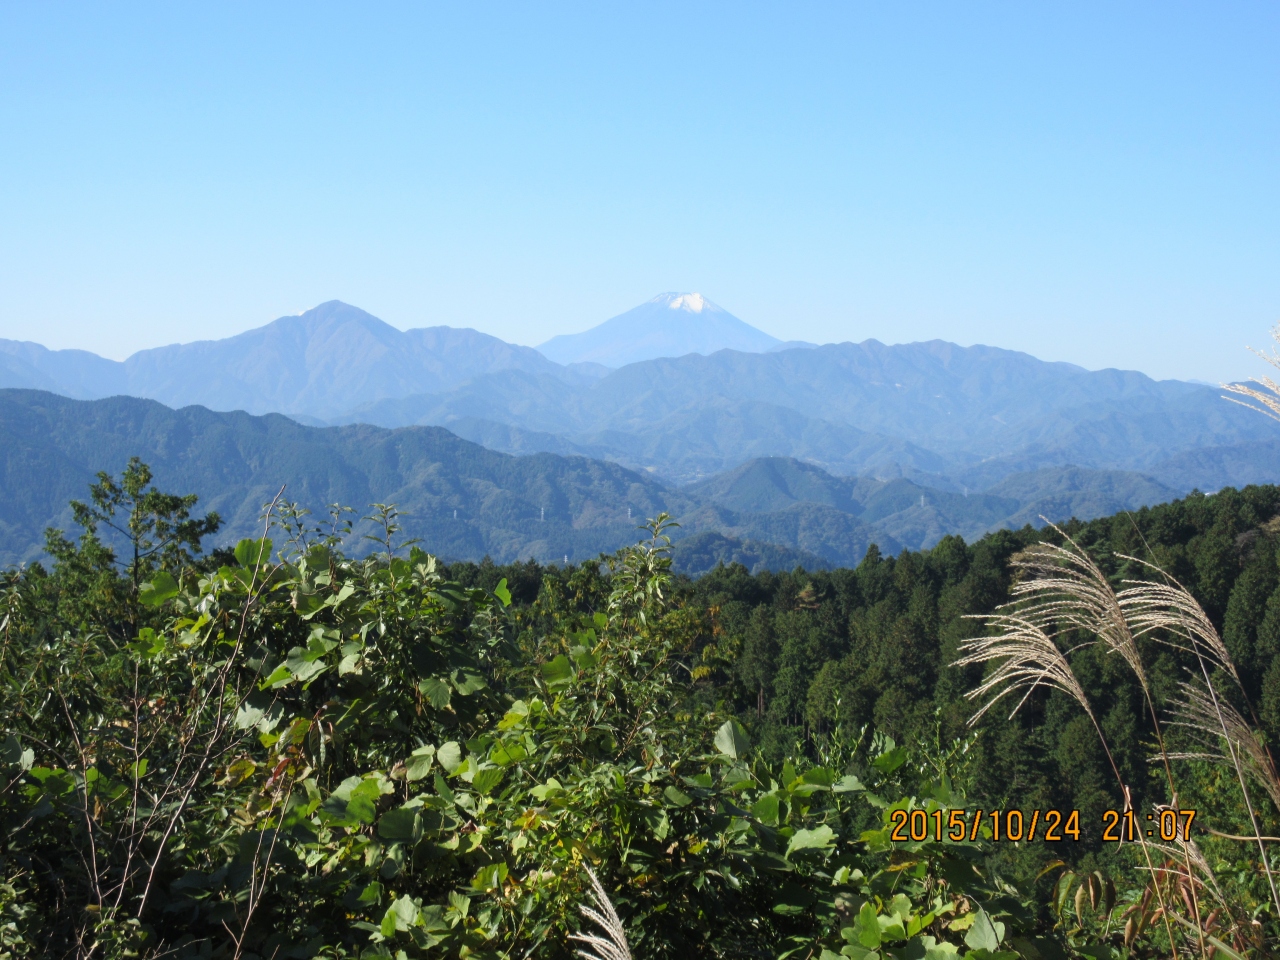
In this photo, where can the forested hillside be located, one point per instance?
(470, 502)
(283, 751)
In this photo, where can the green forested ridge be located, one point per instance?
(468, 502)
(281, 751)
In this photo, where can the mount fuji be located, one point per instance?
(669, 325)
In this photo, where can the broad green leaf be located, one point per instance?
(766, 809)
(558, 673)
(305, 664)
(402, 914)
(658, 824)
(307, 604)
(148, 645)
(502, 593)
(362, 809)
(890, 760)
(506, 752)
(486, 779)
(847, 784)
(402, 823)
(816, 839)
(933, 950)
(161, 588)
(12, 752)
(251, 553)
(891, 928)
(546, 791)
(677, 797)
(467, 682)
(515, 716)
(437, 692)
(450, 756)
(900, 906)
(867, 927)
(419, 764)
(731, 739)
(363, 803)
(985, 934)
(487, 878)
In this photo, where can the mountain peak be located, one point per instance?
(688, 302)
(661, 327)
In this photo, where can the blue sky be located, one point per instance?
(1088, 182)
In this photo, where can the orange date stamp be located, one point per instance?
(1051, 826)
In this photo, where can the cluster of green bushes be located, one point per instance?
(288, 751)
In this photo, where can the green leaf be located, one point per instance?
(402, 823)
(984, 934)
(677, 797)
(161, 588)
(11, 751)
(490, 877)
(280, 676)
(253, 553)
(419, 764)
(505, 753)
(450, 756)
(558, 673)
(890, 760)
(502, 593)
(816, 839)
(467, 682)
(658, 824)
(307, 664)
(437, 692)
(486, 779)
(766, 809)
(867, 927)
(401, 915)
(731, 739)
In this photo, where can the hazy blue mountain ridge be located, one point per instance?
(320, 364)
(967, 416)
(954, 419)
(543, 505)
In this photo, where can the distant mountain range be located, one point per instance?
(465, 501)
(321, 364)
(768, 446)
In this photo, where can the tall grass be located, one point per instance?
(1062, 602)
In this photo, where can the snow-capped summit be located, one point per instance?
(669, 325)
(693, 302)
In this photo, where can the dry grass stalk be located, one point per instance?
(1029, 659)
(1269, 396)
(1063, 589)
(1212, 720)
(1168, 608)
(611, 946)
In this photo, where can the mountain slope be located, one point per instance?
(51, 447)
(320, 364)
(462, 500)
(669, 325)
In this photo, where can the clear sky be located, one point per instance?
(1097, 183)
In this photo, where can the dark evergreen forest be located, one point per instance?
(282, 750)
